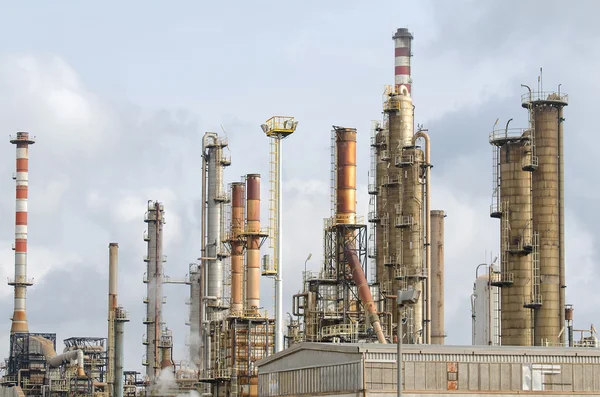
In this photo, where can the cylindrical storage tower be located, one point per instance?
(516, 243)
(399, 110)
(346, 175)
(546, 111)
(253, 241)
(437, 274)
(237, 247)
(121, 317)
(402, 43)
(485, 312)
(412, 273)
(19, 318)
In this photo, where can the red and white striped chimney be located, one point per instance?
(402, 43)
(20, 282)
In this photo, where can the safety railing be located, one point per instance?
(547, 96)
(501, 136)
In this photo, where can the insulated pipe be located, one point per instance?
(253, 241)
(402, 43)
(20, 282)
(425, 136)
(55, 360)
(237, 246)
(364, 292)
(346, 175)
(113, 263)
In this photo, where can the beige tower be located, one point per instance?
(546, 113)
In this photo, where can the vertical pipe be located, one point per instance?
(19, 319)
(279, 276)
(561, 214)
(253, 242)
(425, 136)
(195, 318)
(237, 247)
(113, 265)
(437, 272)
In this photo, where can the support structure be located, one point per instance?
(20, 282)
(113, 265)
(277, 128)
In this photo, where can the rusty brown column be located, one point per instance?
(346, 175)
(253, 241)
(237, 246)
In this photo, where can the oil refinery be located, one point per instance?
(370, 321)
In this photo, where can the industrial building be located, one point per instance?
(369, 369)
(381, 283)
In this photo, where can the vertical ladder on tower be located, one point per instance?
(269, 267)
(536, 293)
(496, 207)
(504, 277)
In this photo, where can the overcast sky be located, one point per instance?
(119, 95)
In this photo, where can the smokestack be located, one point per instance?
(437, 274)
(113, 265)
(403, 42)
(253, 244)
(237, 246)
(20, 282)
(346, 175)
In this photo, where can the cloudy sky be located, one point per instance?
(119, 96)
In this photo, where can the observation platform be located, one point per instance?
(547, 97)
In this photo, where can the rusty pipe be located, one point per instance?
(237, 246)
(346, 175)
(253, 241)
(55, 360)
(425, 136)
(364, 292)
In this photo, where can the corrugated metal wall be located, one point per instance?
(311, 381)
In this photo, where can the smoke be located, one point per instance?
(165, 383)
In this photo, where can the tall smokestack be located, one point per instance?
(237, 246)
(113, 265)
(20, 282)
(403, 42)
(253, 241)
(121, 317)
(346, 175)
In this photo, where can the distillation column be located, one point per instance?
(253, 242)
(19, 318)
(215, 197)
(517, 244)
(437, 277)
(154, 279)
(548, 203)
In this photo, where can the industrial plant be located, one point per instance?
(370, 321)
